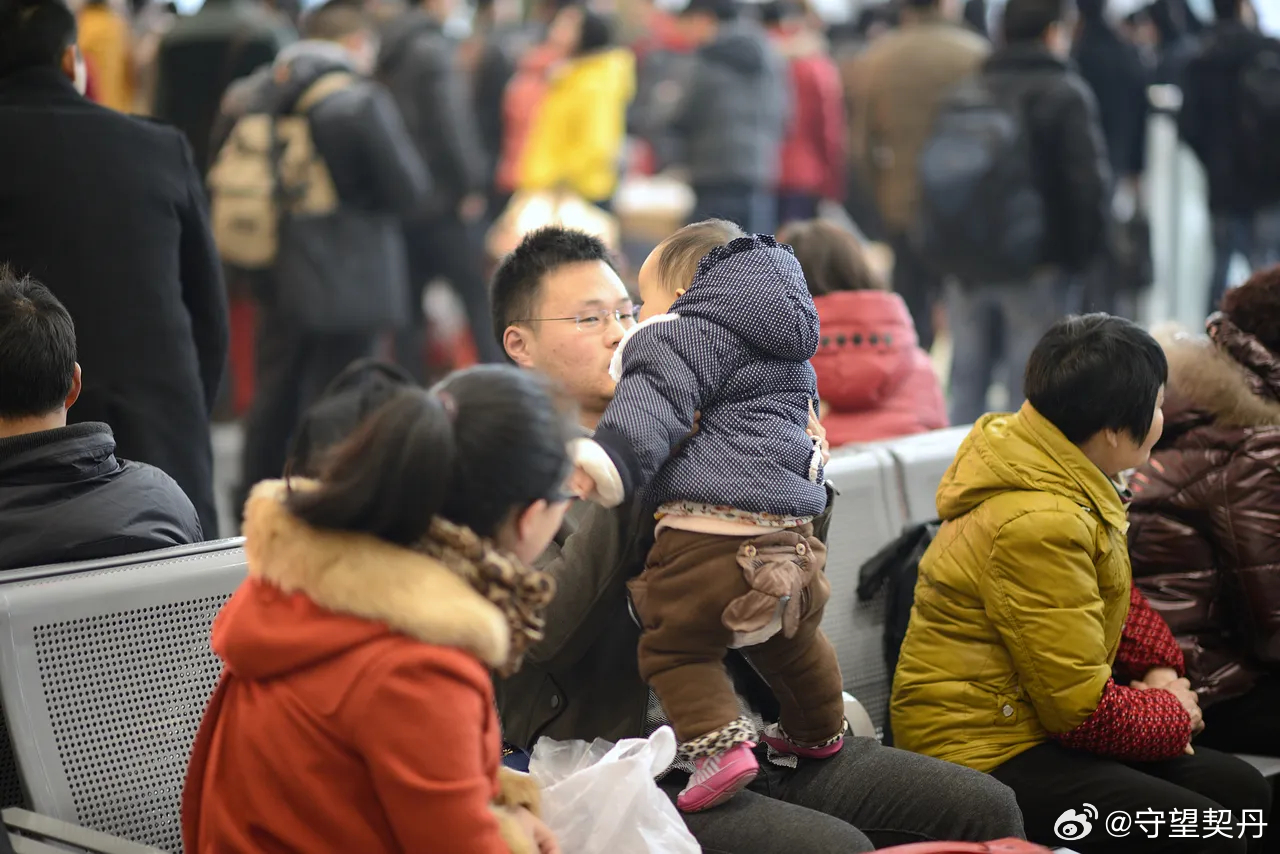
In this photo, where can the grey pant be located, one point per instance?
(996, 327)
(865, 797)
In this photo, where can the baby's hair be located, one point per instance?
(679, 254)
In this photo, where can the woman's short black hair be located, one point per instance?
(479, 446)
(1095, 373)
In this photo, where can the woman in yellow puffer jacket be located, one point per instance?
(577, 136)
(1030, 654)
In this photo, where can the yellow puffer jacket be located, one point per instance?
(1021, 598)
(577, 135)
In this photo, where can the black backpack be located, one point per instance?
(982, 215)
(1258, 123)
(896, 568)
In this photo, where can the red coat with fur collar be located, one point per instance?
(355, 712)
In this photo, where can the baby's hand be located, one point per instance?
(582, 484)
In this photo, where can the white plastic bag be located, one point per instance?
(601, 798)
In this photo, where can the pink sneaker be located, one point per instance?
(719, 778)
(778, 740)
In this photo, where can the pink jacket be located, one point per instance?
(871, 371)
(812, 156)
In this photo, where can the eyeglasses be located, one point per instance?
(594, 321)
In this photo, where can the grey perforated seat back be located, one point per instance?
(921, 461)
(105, 673)
(867, 515)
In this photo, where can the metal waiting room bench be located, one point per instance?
(105, 666)
(105, 670)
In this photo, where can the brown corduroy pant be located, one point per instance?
(681, 598)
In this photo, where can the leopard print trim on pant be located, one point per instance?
(719, 740)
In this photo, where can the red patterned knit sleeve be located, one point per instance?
(1146, 641)
(1139, 726)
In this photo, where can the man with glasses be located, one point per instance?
(560, 308)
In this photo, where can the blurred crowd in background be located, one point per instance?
(436, 134)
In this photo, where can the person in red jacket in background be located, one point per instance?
(813, 153)
(873, 379)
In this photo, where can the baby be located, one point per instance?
(708, 425)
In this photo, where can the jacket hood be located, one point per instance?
(741, 47)
(754, 287)
(1021, 58)
(315, 594)
(298, 66)
(1024, 452)
(1209, 384)
(606, 74)
(870, 342)
(401, 32)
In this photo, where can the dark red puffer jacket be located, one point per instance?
(1204, 533)
(871, 371)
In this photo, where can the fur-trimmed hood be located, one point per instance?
(1208, 384)
(365, 588)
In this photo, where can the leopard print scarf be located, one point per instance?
(519, 592)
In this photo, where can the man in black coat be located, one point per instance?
(378, 178)
(1216, 121)
(203, 54)
(1072, 177)
(108, 212)
(63, 494)
(418, 63)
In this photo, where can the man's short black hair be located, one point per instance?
(1029, 20)
(518, 279)
(1094, 373)
(34, 33)
(37, 348)
(1227, 10)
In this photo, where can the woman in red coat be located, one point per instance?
(874, 380)
(355, 712)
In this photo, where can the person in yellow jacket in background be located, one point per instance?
(1030, 654)
(104, 41)
(576, 141)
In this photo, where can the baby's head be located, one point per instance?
(669, 270)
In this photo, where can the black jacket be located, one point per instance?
(1114, 70)
(346, 271)
(65, 497)
(108, 212)
(1069, 153)
(418, 65)
(1210, 113)
(203, 54)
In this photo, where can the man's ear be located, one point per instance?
(69, 63)
(74, 394)
(519, 346)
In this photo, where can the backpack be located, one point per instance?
(896, 568)
(269, 167)
(1258, 123)
(982, 216)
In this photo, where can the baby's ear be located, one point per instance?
(680, 292)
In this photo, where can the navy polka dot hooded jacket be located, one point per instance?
(734, 348)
